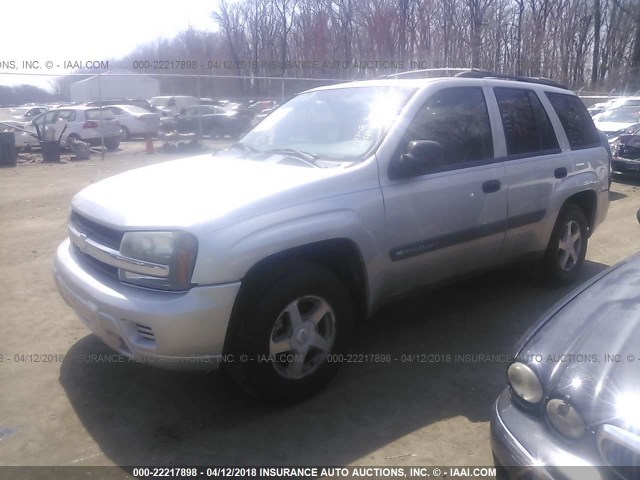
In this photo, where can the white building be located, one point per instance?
(114, 84)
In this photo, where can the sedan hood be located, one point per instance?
(612, 127)
(197, 190)
(589, 349)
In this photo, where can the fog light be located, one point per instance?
(565, 418)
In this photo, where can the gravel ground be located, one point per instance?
(71, 412)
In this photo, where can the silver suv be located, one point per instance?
(262, 258)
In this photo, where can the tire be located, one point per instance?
(112, 143)
(124, 133)
(567, 247)
(266, 331)
(74, 137)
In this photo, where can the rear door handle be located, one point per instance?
(560, 172)
(491, 186)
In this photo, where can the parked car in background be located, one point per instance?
(343, 199)
(573, 396)
(594, 110)
(625, 102)
(135, 121)
(262, 108)
(137, 102)
(625, 150)
(87, 124)
(209, 120)
(25, 136)
(174, 104)
(25, 114)
(615, 120)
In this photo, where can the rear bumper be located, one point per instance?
(172, 330)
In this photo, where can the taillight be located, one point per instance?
(90, 124)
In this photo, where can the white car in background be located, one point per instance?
(614, 103)
(27, 113)
(88, 124)
(616, 120)
(135, 121)
(25, 137)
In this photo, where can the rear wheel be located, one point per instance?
(73, 138)
(567, 247)
(287, 329)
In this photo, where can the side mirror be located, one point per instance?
(638, 215)
(422, 157)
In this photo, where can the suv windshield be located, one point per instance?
(340, 124)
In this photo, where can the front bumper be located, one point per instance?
(172, 330)
(625, 165)
(525, 448)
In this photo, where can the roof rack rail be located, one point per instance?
(476, 73)
(424, 70)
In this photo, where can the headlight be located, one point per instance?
(525, 383)
(565, 418)
(174, 250)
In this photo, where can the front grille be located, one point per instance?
(620, 449)
(92, 262)
(107, 236)
(628, 151)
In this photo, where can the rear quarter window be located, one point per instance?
(575, 119)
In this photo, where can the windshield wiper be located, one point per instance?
(244, 146)
(293, 151)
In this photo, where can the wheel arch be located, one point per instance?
(341, 256)
(587, 200)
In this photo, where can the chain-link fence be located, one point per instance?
(169, 95)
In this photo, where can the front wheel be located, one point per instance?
(286, 335)
(567, 247)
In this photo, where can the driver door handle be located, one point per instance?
(491, 186)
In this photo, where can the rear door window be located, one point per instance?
(546, 134)
(66, 115)
(526, 125)
(575, 119)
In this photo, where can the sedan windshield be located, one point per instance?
(343, 124)
(621, 115)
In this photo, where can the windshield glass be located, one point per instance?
(340, 124)
(622, 115)
(19, 111)
(133, 109)
(159, 101)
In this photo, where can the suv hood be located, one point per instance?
(590, 348)
(192, 191)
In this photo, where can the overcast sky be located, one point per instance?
(80, 30)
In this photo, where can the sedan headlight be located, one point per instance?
(525, 383)
(169, 256)
(565, 418)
